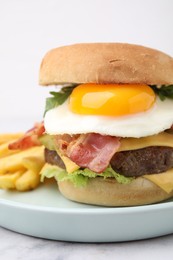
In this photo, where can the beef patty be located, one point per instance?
(149, 160)
(53, 158)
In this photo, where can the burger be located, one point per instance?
(108, 137)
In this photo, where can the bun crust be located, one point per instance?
(106, 63)
(110, 193)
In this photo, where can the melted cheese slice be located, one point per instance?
(70, 165)
(163, 180)
(162, 139)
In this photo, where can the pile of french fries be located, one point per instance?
(19, 170)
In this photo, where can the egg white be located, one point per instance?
(61, 120)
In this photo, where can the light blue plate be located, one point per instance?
(45, 213)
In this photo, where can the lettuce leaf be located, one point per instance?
(80, 177)
(164, 91)
(58, 98)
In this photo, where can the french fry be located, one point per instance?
(34, 164)
(8, 181)
(4, 138)
(29, 180)
(14, 162)
(19, 169)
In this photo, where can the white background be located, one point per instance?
(28, 29)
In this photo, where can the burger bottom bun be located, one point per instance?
(111, 193)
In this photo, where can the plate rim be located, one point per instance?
(99, 209)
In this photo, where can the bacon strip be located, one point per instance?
(29, 139)
(92, 150)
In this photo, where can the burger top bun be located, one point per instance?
(106, 63)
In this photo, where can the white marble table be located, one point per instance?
(14, 246)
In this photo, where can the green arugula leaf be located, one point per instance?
(58, 98)
(164, 91)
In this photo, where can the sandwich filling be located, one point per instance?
(109, 131)
(100, 148)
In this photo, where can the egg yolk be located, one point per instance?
(111, 99)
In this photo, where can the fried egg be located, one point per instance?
(125, 111)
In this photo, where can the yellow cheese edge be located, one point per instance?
(163, 180)
(162, 139)
(70, 165)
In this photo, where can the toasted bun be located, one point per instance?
(110, 193)
(106, 63)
